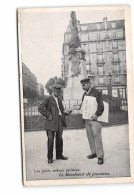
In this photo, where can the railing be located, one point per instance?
(114, 61)
(33, 120)
(100, 62)
(115, 47)
(116, 71)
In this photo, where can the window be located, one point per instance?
(105, 91)
(116, 79)
(121, 93)
(88, 67)
(110, 34)
(92, 47)
(101, 80)
(83, 28)
(86, 47)
(99, 46)
(98, 35)
(114, 35)
(100, 70)
(115, 44)
(121, 45)
(116, 68)
(124, 94)
(115, 57)
(113, 25)
(100, 58)
(98, 26)
(119, 34)
(93, 36)
(102, 35)
(84, 37)
(115, 93)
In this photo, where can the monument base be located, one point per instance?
(73, 91)
(76, 72)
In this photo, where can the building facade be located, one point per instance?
(105, 46)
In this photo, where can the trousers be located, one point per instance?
(59, 141)
(93, 130)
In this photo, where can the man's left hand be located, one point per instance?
(93, 118)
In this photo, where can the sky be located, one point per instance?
(42, 37)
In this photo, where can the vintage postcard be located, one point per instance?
(76, 95)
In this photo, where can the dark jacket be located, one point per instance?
(49, 107)
(95, 93)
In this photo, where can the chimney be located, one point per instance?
(105, 23)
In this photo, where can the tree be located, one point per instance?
(52, 81)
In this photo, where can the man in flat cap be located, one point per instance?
(93, 127)
(52, 108)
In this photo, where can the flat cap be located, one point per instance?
(85, 80)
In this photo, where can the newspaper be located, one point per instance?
(89, 107)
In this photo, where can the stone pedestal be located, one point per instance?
(73, 91)
(77, 71)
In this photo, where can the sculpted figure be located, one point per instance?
(74, 41)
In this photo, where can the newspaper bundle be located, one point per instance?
(89, 107)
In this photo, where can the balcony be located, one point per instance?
(114, 47)
(100, 62)
(102, 72)
(117, 83)
(101, 83)
(90, 73)
(115, 61)
(116, 71)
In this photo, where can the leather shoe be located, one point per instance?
(91, 156)
(100, 161)
(50, 161)
(62, 158)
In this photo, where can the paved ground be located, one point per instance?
(116, 148)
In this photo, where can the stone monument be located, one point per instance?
(77, 66)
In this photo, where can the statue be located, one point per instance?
(74, 41)
(76, 66)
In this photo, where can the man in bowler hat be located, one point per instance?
(93, 127)
(52, 108)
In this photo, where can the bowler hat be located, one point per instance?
(55, 87)
(86, 80)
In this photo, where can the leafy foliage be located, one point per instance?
(52, 81)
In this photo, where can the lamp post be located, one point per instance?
(110, 85)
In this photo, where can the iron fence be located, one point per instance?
(33, 120)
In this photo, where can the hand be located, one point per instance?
(50, 118)
(67, 112)
(76, 107)
(93, 118)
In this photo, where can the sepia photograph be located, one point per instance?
(75, 71)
